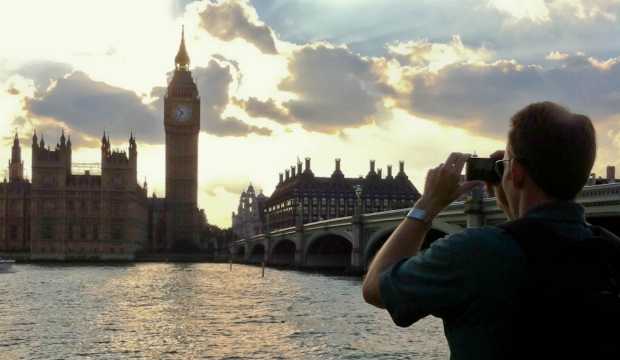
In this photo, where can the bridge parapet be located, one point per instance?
(362, 231)
(611, 191)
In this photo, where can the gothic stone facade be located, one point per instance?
(250, 217)
(300, 192)
(61, 215)
(176, 221)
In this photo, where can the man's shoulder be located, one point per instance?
(486, 240)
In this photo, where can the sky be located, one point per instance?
(282, 80)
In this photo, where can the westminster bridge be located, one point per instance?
(351, 242)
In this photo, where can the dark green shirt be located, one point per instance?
(470, 280)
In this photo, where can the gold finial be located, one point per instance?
(182, 59)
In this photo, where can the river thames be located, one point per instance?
(198, 311)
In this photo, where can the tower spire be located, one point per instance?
(182, 59)
(16, 165)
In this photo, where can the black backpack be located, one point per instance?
(569, 305)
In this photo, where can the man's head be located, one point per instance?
(553, 151)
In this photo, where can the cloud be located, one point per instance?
(44, 73)
(90, 107)
(266, 109)
(213, 84)
(587, 25)
(482, 97)
(334, 88)
(557, 56)
(231, 19)
(231, 185)
(422, 54)
(533, 10)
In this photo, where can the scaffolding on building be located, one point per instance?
(80, 168)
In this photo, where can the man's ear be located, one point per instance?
(518, 174)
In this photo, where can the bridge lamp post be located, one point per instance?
(358, 196)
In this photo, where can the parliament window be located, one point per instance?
(117, 232)
(47, 230)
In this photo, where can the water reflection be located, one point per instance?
(182, 311)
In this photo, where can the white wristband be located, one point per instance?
(418, 214)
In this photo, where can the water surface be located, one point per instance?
(198, 311)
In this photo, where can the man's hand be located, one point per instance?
(497, 190)
(442, 185)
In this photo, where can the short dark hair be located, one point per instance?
(556, 147)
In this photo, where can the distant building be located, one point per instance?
(608, 179)
(249, 219)
(176, 220)
(15, 204)
(300, 192)
(61, 215)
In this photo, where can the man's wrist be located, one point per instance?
(419, 215)
(426, 206)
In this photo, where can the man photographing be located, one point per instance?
(544, 285)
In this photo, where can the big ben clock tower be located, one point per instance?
(182, 125)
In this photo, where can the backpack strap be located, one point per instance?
(536, 238)
(547, 251)
(570, 303)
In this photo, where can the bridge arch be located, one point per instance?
(438, 230)
(375, 241)
(238, 253)
(340, 233)
(283, 253)
(257, 254)
(329, 251)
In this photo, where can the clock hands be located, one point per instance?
(182, 113)
(179, 113)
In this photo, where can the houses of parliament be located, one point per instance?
(61, 215)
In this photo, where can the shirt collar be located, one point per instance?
(561, 211)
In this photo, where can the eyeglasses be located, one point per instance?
(500, 166)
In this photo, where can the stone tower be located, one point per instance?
(16, 165)
(182, 125)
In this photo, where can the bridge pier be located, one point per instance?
(357, 252)
(300, 245)
(268, 249)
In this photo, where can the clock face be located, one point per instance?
(182, 113)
